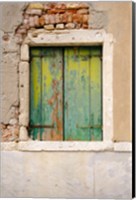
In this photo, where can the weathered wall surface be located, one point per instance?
(66, 174)
(115, 18)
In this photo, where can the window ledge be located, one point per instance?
(66, 146)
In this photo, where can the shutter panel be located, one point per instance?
(76, 94)
(35, 93)
(83, 97)
(48, 112)
(96, 94)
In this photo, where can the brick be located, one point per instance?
(13, 121)
(34, 12)
(60, 26)
(69, 19)
(83, 11)
(50, 19)
(63, 18)
(72, 5)
(85, 18)
(25, 21)
(77, 18)
(22, 31)
(49, 27)
(61, 6)
(36, 21)
(85, 26)
(70, 26)
(57, 18)
(36, 6)
(83, 5)
(41, 21)
(46, 7)
(71, 11)
(31, 22)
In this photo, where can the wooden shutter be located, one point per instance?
(46, 94)
(83, 93)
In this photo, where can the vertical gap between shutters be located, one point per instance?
(41, 92)
(90, 131)
(101, 71)
(63, 91)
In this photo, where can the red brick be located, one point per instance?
(85, 26)
(57, 18)
(41, 21)
(71, 11)
(85, 18)
(69, 19)
(77, 18)
(61, 6)
(83, 11)
(46, 7)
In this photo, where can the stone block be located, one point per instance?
(24, 87)
(23, 134)
(113, 176)
(60, 26)
(13, 121)
(70, 26)
(24, 52)
(49, 27)
(24, 119)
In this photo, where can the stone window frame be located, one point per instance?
(42, 37)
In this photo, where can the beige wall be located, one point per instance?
(115, 18)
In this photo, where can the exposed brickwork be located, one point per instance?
(51, 16)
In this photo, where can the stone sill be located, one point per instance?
(38, 146)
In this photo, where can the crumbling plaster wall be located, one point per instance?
(68, 174)
(115, 18)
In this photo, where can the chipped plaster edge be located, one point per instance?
(38, 146)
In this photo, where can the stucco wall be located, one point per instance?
(114, 18)
(66, 174)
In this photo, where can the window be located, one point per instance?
(66, 93)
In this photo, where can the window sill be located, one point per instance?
(38, 146)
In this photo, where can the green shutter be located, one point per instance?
(46, 91)
(66, 90)
(83, 98)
